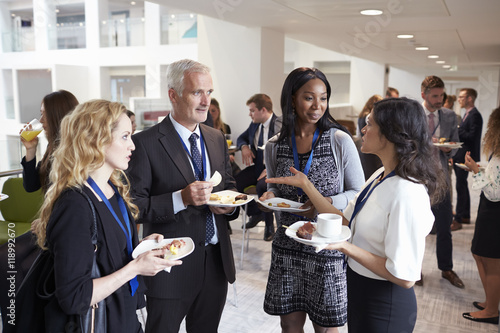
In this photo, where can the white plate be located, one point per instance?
(449, 145)
(228, 198)
(317, 240)
(3, 196)
(272, 204)
(232, 147)
(151, 244)
(464, 167)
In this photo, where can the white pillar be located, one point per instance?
(96, 11)
(152, 24)
(45, 19)
(272, 65)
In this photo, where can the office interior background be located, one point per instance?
(119, 50)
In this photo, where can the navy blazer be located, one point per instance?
(159, 167)
(247, 137)
(469, 132)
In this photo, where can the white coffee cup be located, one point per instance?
(329, 225)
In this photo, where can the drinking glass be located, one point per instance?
(32, 130)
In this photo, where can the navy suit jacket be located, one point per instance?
(447, 120)
(158, 168)
(469, 132)
(247, 137)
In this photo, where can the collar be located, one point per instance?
(268, 121)
(183, 131)
(427, 112)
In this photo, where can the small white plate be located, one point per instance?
(449, 145)
(228, 199)
(317, 240)
(150, 244)
(3, 196)
(464, 167)
(273, 202)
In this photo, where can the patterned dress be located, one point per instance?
(299, 278)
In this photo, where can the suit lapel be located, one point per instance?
(211, 146)
(172, 144)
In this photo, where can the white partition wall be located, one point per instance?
(74, 79)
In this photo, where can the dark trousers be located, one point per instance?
(202, 311)
(462, 210)
(379, 306)
(444, 247)
(248, 177)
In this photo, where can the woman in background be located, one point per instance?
(370, 162)
(131, 115)
(54, 107)
(389, 219)
(485, 243)
(218, 123)
(94, 150)
(302, 282)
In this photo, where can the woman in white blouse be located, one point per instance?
(485, 244)
(389, 218)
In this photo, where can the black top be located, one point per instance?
(69, 239)
(31, 175)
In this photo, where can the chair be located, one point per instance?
(18, 210)
(349, 125)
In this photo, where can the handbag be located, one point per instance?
(37, 292)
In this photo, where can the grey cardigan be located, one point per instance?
(346, 158)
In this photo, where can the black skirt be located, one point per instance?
(379, 305)
(486, 240)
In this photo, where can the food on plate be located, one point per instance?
(283, 205)
(442, 140)
(306, 231)
(173, 247)
(241, 197)
(214, 197)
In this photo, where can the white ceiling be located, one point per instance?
(464, 33)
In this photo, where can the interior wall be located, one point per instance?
(234, 57)
(32, 85)
(63, 77)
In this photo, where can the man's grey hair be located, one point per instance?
(176, 71)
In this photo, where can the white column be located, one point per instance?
(152, 23)
(96, 11)
(5, 27)
(44, 17)
(272, 65)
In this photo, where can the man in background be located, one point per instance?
(469, 132)
(264, 126)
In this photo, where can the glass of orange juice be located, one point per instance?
(32, 130)
(228, 140)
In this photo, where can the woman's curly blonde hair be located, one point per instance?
(491, 139)
(85, 134)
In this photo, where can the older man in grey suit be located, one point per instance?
(442, 124)
(169, 172)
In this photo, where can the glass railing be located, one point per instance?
(70, 35)
(179, 29)
(21, 40)
(122, 32)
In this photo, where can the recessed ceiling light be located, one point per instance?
(432, 56)
(371, 12)
(172, 16)
(405, 36)
(13, 15)
(132, 3)
(57, 10)
(446, 66)
(421, 48)
(440, 62)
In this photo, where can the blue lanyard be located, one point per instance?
(360, 202)
(202, 144)
(123, 210)
(439, 123)
(296, 156)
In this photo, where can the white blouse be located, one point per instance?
(489, 180)
(393, 224)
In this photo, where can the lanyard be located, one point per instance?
(123, 210)
(366, 194)
(203, 170)
(296, 156)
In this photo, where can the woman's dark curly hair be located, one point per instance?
(491, 139)
(403, 122)
(294, 81)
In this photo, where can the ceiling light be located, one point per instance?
(371, 12)
(421, 48)
(405, 36)
(191, 15)
(432, 56)
(57, 10)
(440, 62)
(446, 66)
(13, 15)
(172, 16)
(132, 3)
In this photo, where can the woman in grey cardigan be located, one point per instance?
(302, 282)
